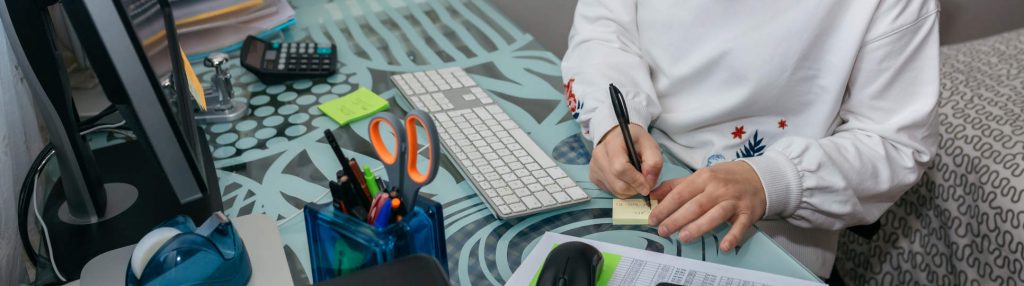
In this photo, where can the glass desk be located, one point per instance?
(275, 160)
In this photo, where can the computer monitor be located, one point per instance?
(131, 74)
(168, 168)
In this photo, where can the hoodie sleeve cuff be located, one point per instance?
(783, 189)
(604, 119)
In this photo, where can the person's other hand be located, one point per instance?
(610, 168)
(697, 204)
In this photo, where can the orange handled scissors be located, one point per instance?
(402, 164)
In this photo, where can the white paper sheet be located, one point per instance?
(641, 267)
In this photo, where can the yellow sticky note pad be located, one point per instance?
(631, 211)
(354, 106)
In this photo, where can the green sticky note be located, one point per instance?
(354, 106)
(611, 261)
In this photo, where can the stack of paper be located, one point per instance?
(208, 25)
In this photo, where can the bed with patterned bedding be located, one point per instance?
(962, 224)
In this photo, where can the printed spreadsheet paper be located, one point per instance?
(646, 268)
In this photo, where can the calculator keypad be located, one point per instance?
(299, 57)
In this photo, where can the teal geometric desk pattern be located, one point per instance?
(274, 160)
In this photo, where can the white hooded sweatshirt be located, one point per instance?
(831, 101)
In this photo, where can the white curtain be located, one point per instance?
(20, 140)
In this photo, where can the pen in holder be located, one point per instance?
(340, 243)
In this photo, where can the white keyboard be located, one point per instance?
(513, 175)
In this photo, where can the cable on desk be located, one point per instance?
(46, 232)
(33, 176)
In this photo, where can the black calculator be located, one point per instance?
(274, 62)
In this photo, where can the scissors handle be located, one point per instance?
(394, 162)
(415, 177)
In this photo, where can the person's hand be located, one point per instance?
(610, 168)
(697, 204)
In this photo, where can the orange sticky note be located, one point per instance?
(193, 82)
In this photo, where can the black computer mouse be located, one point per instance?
(571, 264)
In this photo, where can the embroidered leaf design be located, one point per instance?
(754, 147)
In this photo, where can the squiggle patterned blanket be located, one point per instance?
(962, 224)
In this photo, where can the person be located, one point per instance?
(805, 117)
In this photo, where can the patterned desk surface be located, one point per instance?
(274, 160)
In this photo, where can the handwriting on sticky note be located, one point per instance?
(631, 211)
(354, 106)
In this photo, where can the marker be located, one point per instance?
(338, 196)
(371, 181)
(360, 181)
(371, 216)
(383, 214)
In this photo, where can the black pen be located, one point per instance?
(619, 105)
(337, 149)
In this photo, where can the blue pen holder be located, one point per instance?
(340, 243)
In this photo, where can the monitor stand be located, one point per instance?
(139, 197)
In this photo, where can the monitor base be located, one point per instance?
(74, 243)
(119, 196)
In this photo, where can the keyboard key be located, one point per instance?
(488, 169)
(526, 159)
(539, 174)
(556, 172)
(498, 163)
(531, 202)
(516, 184)
(576, 193)
(536, 188)
(522, 192)
(546, 181)
(503, 169)
(504, 210)
(517, 207)
(510, 199)
(565, 182)
(492, 176)
(545, 198)
(522, 173)
(553, 188)
(561, 197)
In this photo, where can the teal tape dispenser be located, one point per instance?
(176, 252)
